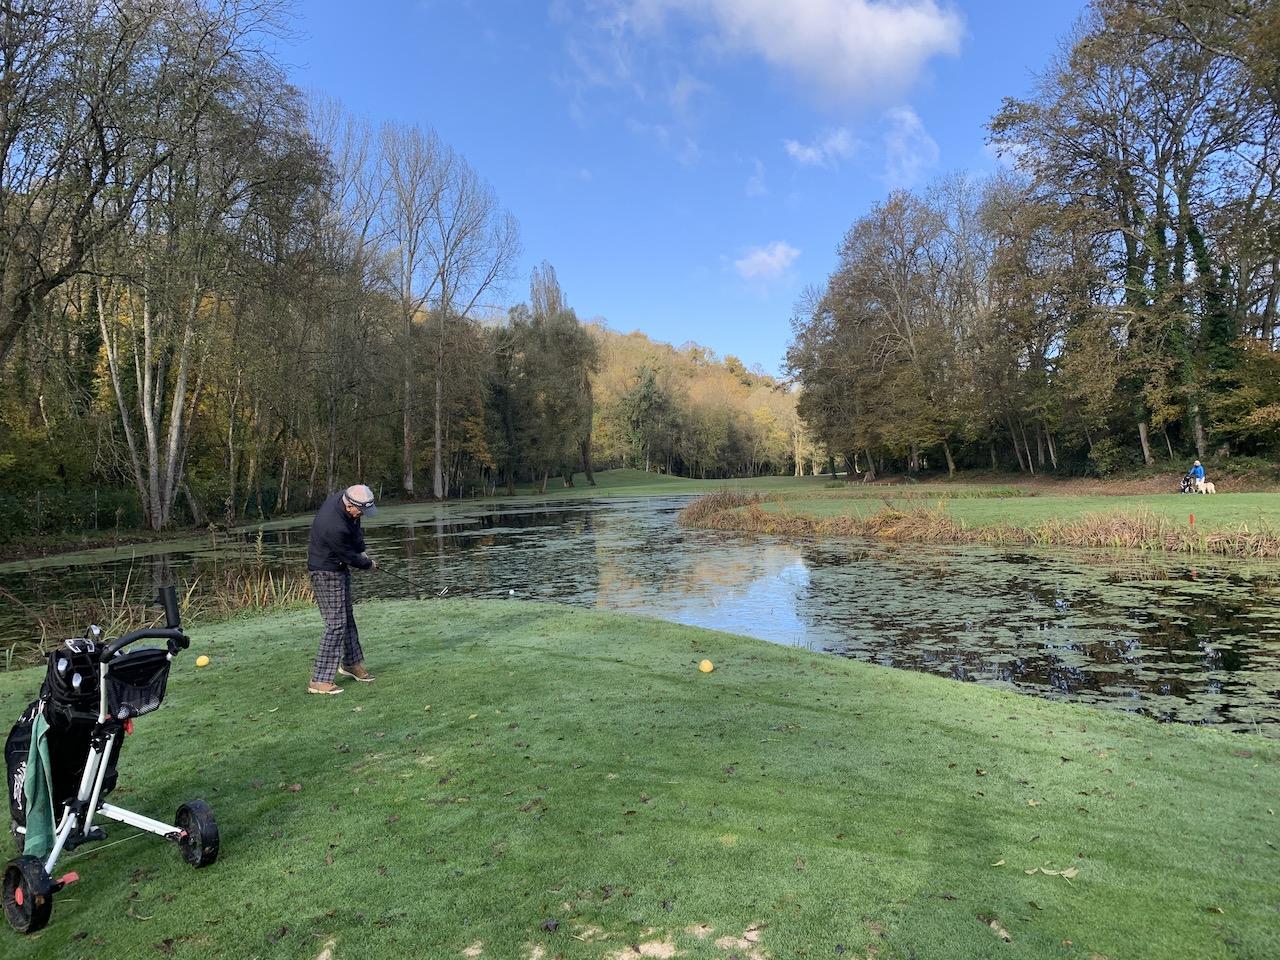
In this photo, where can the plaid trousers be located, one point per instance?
(341, 642)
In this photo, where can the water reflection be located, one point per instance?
(1177, 640)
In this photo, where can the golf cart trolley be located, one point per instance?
(91, 695)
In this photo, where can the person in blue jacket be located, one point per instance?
(335, 546)
(1197, 475)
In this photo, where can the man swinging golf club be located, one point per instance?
(335, 546)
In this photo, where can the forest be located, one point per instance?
(222, 299)
(1107, 302)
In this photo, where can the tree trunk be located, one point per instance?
(995, 464)
(1168, 443)
(586, 461)
(197, 513)
(437, 479)
(407, 451)
(1017, 450)
(951, 463)
(1147, 458)
(1022, 428)
(871, 468)
(1197, 423)
(542, 487)
(1053, 448)
(282, 498)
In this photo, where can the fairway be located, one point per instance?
(526, 781)
(1221, 512)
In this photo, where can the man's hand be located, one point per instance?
(373, 564)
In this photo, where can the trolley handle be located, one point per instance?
(177, 640)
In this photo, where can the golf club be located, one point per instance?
(445, 591)
(401, 577)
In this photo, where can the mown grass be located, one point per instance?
(531, 781)
(1241, 525)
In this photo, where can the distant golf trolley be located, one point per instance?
(91, 695)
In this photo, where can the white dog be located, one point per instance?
(1206, 486)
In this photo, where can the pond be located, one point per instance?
(1174, 638)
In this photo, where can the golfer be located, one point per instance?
(1197, 476)
(336, 545)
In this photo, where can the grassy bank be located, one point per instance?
(1235, 525)
(528, 781)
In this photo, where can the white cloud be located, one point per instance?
(768, 262)
(684, 148)
(826, 150)
(683, 92)
(756, 186)
(909, 151)
(845, 48)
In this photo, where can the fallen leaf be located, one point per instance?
(1033, 905)
(294, 788)
(999, 863)
(1033, 803)
(278, 935)
(550, 924)
(1218, 910)
(980, 772)
(473, 716)
(995, 925)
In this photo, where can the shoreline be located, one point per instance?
(912, 520)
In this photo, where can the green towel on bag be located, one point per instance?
(38, 792)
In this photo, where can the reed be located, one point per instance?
(1136, 530)
(227, 593)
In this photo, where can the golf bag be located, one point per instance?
(69, 701)
(1188, 485)
(92, 693)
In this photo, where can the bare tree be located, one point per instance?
(97, 99)
(416, 172)
(471, 246)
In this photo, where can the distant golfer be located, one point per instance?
(336, 545)
(1197, 476)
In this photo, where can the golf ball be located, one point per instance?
(706, 666)
(202, 661)
(511, 593)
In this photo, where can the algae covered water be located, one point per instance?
(1171, 637)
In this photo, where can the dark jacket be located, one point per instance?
(336, 542)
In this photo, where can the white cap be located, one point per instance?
(360, 497)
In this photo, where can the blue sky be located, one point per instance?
(688, 166)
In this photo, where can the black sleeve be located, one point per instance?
(352, 555)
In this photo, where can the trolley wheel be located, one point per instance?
(199, 842)
(28, 894)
